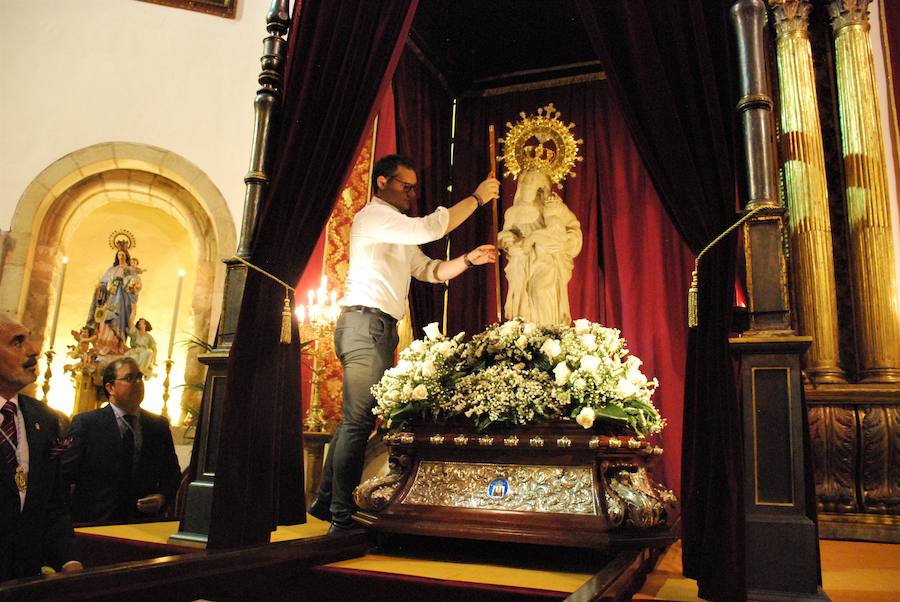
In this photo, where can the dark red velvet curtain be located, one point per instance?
(891, 28)
(423, 110)
(646, 274)
(341, 56)
(672, 68)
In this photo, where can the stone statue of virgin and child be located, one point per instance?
(541, 236)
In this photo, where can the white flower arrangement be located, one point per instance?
(517, 373)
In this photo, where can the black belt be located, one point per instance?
(368, 310)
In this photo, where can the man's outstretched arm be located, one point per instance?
(486, 192)
(447, 270)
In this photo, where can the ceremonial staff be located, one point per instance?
(494, 219)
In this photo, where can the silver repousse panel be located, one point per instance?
(529, 488)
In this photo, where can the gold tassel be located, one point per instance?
(692, 299)
(693, 318)
(286, 319)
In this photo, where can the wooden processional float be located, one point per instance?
(481, 434)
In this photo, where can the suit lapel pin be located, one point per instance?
(37, 426)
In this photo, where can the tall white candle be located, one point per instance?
(62, 280)
(175, 313)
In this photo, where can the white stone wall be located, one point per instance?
(76, 73)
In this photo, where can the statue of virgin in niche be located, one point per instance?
(111, 307)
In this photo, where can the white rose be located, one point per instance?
(551, 348)
(562, 373)
(582, 326)
(403, 367)
(417, 346)
(610, 339)
(428, 369)
(625, 388)
(586, 417)
(432, 331)
(392, 395)
(528, 328)
(508, 330)
(590, 363)
(589, 341)
(522, 342)
(634, 374)
(445, 348)
(420, 392)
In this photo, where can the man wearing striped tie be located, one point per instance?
(35, 529)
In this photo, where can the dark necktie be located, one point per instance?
(10, 440)
(125, 504)
(128, 444)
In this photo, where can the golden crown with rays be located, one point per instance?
(541, 142)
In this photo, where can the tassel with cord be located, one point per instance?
(286, 334)
(694, 290)
(286, 319)
(692, 299)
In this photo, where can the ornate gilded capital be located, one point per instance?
(849, 12)
(791, 16)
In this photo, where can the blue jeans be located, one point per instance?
(365, 344)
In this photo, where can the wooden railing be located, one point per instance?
(276, 571)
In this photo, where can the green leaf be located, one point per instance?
(403, 412)
(483, 422)
(542, 363)
(613, 412)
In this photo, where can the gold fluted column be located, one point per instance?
(807, 192)
(871, 249)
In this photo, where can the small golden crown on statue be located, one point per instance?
(541, 142)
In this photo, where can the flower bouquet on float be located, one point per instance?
(524, 433)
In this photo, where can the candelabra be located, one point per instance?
(316, 321)
(48, 374)
(165, 395)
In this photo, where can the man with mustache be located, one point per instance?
(35, 529)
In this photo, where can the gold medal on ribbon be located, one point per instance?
(21, 478)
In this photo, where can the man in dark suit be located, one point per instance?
(34, 523)
(121, 462)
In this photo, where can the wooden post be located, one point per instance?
(194, 527)
(495, 221)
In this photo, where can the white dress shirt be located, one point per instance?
(21, 441)
(384, 253)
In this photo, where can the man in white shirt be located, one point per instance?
(384, 255)
(35, 529)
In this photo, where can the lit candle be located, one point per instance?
(301, 315)
(62, 280)
(175, 313)
(311, 297)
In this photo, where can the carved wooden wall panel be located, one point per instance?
(833, 433)
(880, 458)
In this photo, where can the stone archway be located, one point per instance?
(113, 174)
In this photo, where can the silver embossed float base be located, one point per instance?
(528, 488)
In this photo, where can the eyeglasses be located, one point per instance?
(132, 378)
(407, 187)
